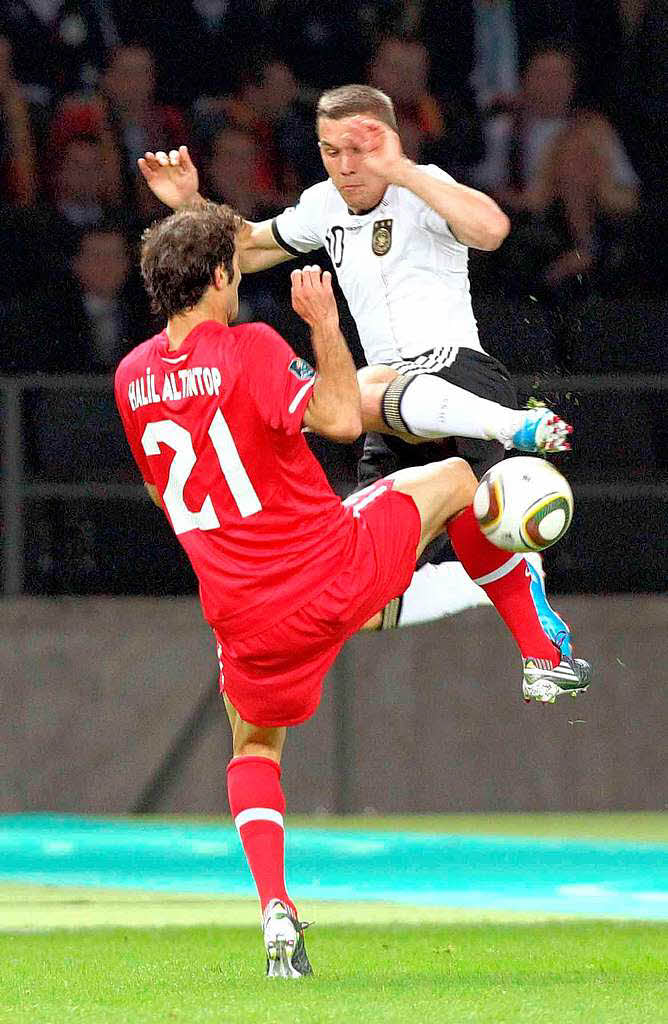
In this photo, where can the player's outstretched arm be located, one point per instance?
(258, 249)
(334, 409)
(474, 218)
(173, 178)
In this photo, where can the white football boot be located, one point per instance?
(284, 942)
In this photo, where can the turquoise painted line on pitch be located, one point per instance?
(596, 879)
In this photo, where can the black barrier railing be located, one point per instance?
(63, 449)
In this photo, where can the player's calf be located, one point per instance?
(423, 406)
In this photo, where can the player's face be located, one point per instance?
(359, 187)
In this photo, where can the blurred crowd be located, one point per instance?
(557, 109)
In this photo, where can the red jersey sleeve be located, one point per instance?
(121, 381)
(280, 382)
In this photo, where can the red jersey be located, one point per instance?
(216, 427)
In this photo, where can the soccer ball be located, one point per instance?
(523, 504)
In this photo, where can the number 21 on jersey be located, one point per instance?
(180, 441)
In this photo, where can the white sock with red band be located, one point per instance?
(505, 579)
(257, 804)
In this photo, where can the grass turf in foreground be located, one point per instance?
(552, 973)
(35, 908)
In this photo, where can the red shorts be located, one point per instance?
(275, 677)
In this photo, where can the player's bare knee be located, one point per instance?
(461, 476)
(373, 382)
(249, 740)
(248, 746)
(371, 376)
(469, 480)
(459, 485)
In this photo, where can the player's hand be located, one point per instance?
(312, 296)
(172, 176)
(379, 146)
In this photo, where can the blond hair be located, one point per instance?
(356, 99)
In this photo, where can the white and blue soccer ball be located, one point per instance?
(523, 504)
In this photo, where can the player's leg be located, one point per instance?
(515, 589)
(424, 406)
(488, 378)
(440, 586)
(439, 490)
(443, 493)
(443, 588)
(250, 740)
(257, 804)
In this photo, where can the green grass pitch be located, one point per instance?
(195, 958)
(556, 972)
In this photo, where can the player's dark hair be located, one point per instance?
(356, 99)
(180, 254)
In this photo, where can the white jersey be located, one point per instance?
(401, 269)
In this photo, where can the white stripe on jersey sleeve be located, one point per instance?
(300, 394)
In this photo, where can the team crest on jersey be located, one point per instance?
(381, 240)
(301, 369)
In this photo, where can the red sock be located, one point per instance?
(503, 577)
(258, 805)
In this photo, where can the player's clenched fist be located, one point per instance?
(172, 176)
(312, 295)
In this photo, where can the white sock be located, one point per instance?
(446, 589)
(439, 590)
(432, 407)
(536, 559)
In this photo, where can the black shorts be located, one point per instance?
(383, 454)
